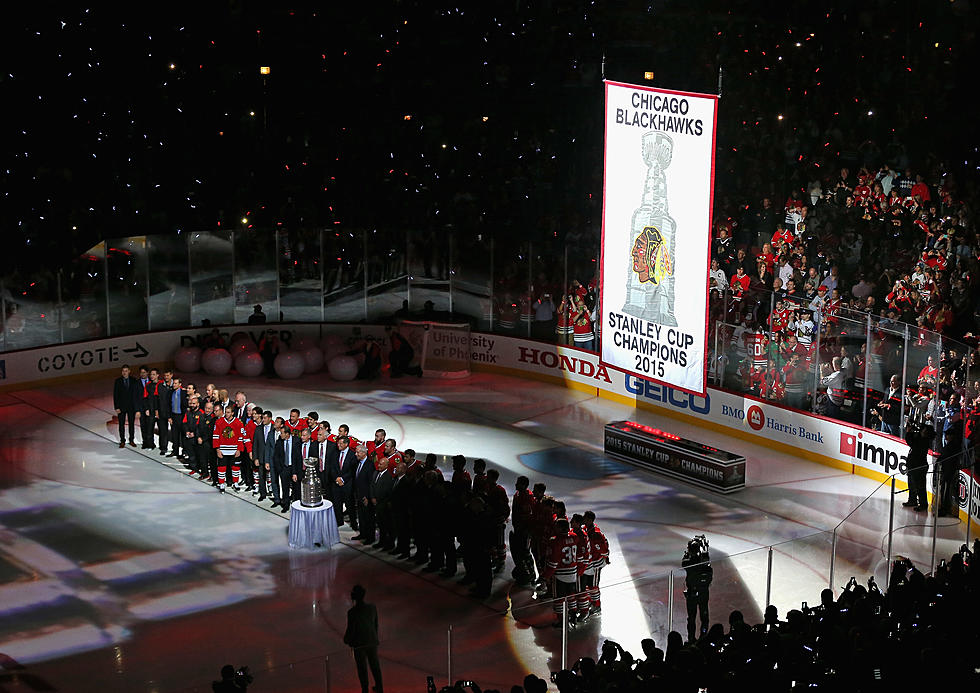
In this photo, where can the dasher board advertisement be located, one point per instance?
(656, 233)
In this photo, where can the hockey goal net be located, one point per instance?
(442, 349)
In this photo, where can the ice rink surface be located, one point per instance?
(120, 572)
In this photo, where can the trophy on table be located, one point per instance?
(311, 495)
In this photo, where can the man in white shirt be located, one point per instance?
(832, 378)
(718, 275)
(785, 270)
(805, 328)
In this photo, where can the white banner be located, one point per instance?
(656, 223)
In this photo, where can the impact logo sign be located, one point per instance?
(852, 446)
(756, 417)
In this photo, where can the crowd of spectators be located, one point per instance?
(797, 289)
(919, 629)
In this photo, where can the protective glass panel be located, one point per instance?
(127, 271)
(498, 651)
(31, 310)
(511, 291)
(800, 570)
(549, 276)
(429, 272)
(862, 538)
(471, 268)
(212, 278)
(886, 407)
(343, 276)
(169, 302)
(83, 296)
(583, 271)
(388, 276)
(255, 276)
(844, 339)
(300, 275)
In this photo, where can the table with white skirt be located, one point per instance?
(311, 528)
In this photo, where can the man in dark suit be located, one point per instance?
(178, 407)
(124, 401)
(302, 449)
(263, 446)
(381, 487)
(363, 474)
(156, 409)
(400, 504)
(340, 463)
(362, 637)
(139, 399)
(281, 469)
(161, 414)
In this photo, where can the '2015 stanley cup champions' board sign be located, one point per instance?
(656, 224)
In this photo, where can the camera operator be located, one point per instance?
(918, 436)
(232, 681)
(696, 563)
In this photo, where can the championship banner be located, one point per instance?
(656, 233)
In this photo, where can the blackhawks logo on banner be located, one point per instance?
(651, 258)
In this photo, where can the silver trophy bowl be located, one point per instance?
(311, 495)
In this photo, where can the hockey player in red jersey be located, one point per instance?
(598, 557)
(498, 502)
(319, 430)
(229, 442)
(251, 471)
(563, 567)
(295, 424)
(522, 516)
(581, 604)
(375, 447)
(344, 430)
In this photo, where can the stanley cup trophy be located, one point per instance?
(311, 494)
(650, 283)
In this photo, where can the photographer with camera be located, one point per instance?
(918, 436)
(696, 563)
(232, 681)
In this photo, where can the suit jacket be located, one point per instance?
(334, 470)
(362, 626)
(381, 485)
(279, 456)
(297, 462)
(362, 481)
(240, 412)
(262, 446)
(139, 400)
(126, 398)
(159, 403)
(183, 402)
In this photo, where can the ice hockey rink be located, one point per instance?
(120, 572)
